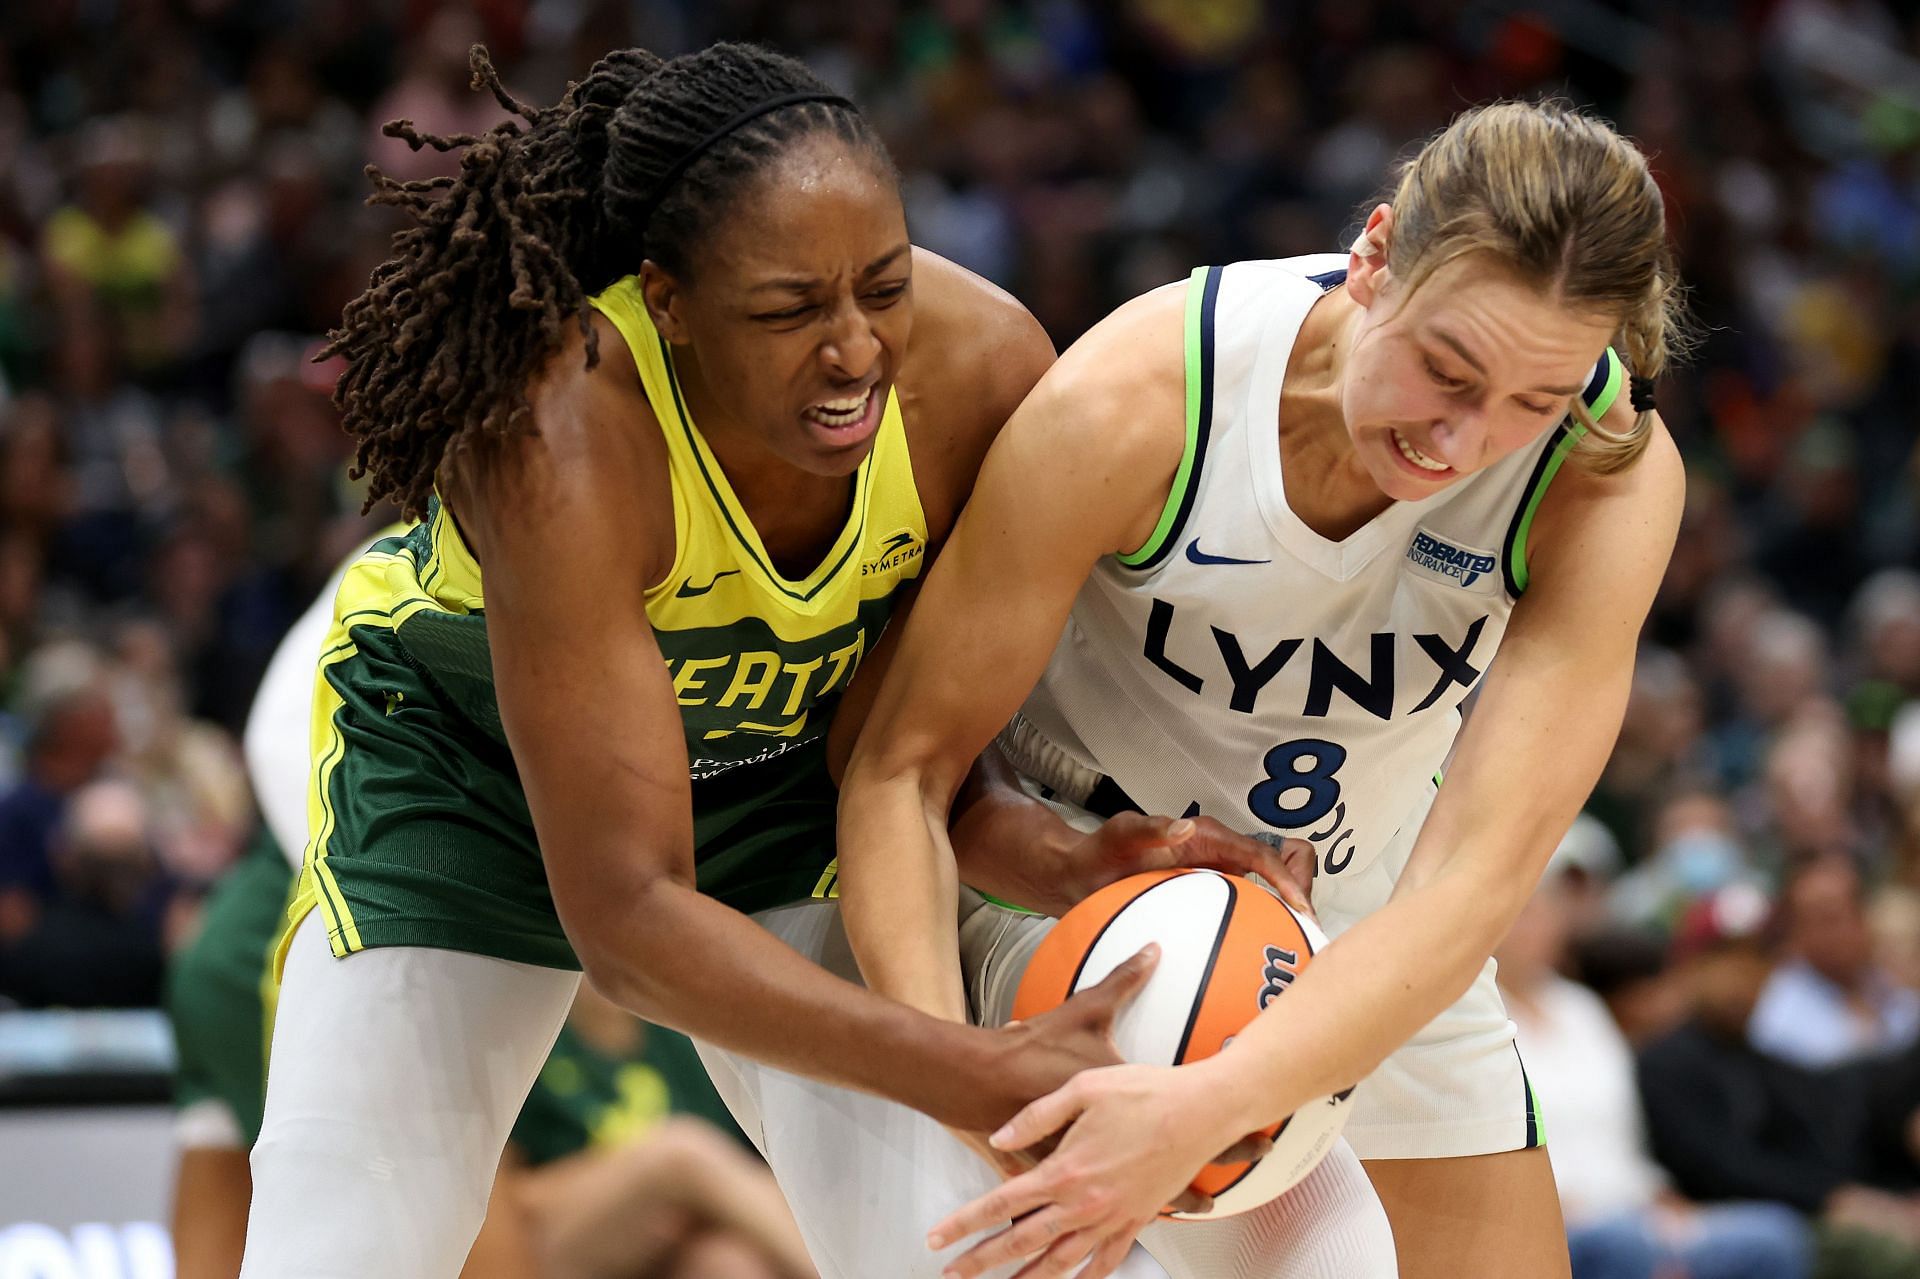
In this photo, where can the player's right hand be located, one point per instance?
(1118, 1141)
(1036, 1056)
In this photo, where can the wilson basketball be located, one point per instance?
(1228, 948)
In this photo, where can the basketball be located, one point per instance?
(1228, 948)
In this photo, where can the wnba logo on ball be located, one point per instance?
(1282, 967)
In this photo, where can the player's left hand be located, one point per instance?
(1134, 1137)
(1131, 843)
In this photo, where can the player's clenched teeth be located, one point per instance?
(841, 412)
(1416, 457)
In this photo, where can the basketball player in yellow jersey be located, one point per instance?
(643, 372)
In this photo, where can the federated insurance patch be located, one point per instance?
(1466, 567)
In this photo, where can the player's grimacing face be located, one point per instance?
(1448, 379)
(801, 303)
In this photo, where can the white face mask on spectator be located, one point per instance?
(1702, 861)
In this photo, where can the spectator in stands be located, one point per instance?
(1627, 968)
(119, 485)
(1828, 1003)
(1885, 617)
(70, 741)
(1893, 918)
(1806, 797)
(1902, 774)
(1623, 1220)
(95, 940)
(1660, 746)
(1696, 850)
(1587, 861)
(108, 250)
(201, 809)
(435, 92)
(1730, 1123)
(33, 480)
(1782, 665)
(1815, 555)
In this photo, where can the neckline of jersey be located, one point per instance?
(1340, 560)
(741, 524)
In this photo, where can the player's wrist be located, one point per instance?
(967, 1080)
(1062, 866)
(1020, 851)
(1242, 1093)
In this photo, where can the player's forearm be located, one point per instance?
(683, 960)
(1367, 994)
(899, 892)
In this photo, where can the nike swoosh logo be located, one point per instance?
(1198, 556)
(689, 591)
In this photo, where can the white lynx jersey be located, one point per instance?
(1243, 667)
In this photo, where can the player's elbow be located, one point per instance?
(630, 966)
(615, 977)
(886, 769)
(1482, 896)
(619, 984)
(1497, 901)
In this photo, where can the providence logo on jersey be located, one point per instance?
(1461, 566)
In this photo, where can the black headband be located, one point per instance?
(752, 113)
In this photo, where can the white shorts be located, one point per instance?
(867, 1178)
(1456, 1088)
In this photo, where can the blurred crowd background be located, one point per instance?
(182, 218)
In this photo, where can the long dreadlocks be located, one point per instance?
(548, 208)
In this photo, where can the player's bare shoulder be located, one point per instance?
(1124, 383)
(572, 397)
(1641, 500)
(1101, 435)
(594, 443)
(1111, 414)
(974, 354)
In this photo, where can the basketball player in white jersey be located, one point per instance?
(1242, 554)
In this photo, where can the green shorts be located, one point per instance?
(219, 993)
(425, 838)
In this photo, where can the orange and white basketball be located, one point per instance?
(1228, 948)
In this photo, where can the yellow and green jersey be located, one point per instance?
(753, 653)
(418, 828)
